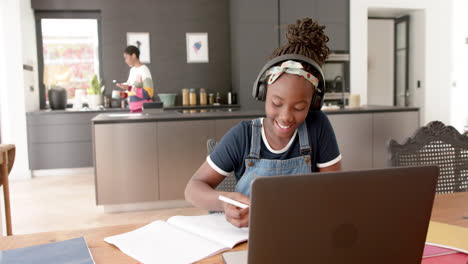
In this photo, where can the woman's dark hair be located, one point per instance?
(306, 38)
(132, 50)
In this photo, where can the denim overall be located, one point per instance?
(257, 167)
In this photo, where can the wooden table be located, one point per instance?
(448, 208)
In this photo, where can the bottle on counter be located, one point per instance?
(107, 102)
(193, 96)
(229, 98)
(218, 98)
(203, 97)
(211, 98)
(185, 96)
(234, 98)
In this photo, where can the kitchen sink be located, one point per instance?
(125, 115)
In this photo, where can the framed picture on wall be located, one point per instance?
(142, 41)
(197, 47)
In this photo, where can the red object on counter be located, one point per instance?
(123, 94)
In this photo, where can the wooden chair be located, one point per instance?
(435, 144)
(229, 183)
(7, 159)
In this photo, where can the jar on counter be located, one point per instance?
(203, 98)
(211, 98)
(185, 96)
(234, 98)
(218, 98)
(193, 96)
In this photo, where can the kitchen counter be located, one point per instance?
(120, 110)
(166, 148)
(226, 113)
(72, 111)
(66, 135)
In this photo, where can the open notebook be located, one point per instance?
(182, 239)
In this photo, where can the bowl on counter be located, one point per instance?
(168, 99)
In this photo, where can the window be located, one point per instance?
(70, 54)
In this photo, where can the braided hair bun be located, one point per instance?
(306, 38)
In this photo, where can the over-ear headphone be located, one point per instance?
(260, 84)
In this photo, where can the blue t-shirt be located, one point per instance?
(230, 153)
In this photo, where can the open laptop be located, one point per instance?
(371, 216)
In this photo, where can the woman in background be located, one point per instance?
(139, 83)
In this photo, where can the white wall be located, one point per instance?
(2, 77)
(29, 49)
(437, 67)
(380, 61)
(459, 88)
(17, 46)
(417, 61)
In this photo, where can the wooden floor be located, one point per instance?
(52, 203)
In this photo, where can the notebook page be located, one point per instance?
(214, 227)
(160, 242)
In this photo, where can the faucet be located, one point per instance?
(339, 78)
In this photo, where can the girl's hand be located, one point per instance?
(237, 216)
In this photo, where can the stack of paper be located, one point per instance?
(182, 239)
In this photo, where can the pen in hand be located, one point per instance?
(233, 202)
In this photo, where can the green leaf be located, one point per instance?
(95, 87)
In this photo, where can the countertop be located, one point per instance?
(72, 111)
(226, 113)
(120, 110)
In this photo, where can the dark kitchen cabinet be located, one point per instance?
(254, 35)
(59, 140)
(334, 14)
(259, 27)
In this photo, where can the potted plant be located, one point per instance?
(95, 93)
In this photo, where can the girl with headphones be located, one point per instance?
(295, 137)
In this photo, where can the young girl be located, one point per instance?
(139, 83)
(289, 140)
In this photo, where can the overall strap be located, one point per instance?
(304, 139)
(255, 143)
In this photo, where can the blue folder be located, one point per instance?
(73, 251)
